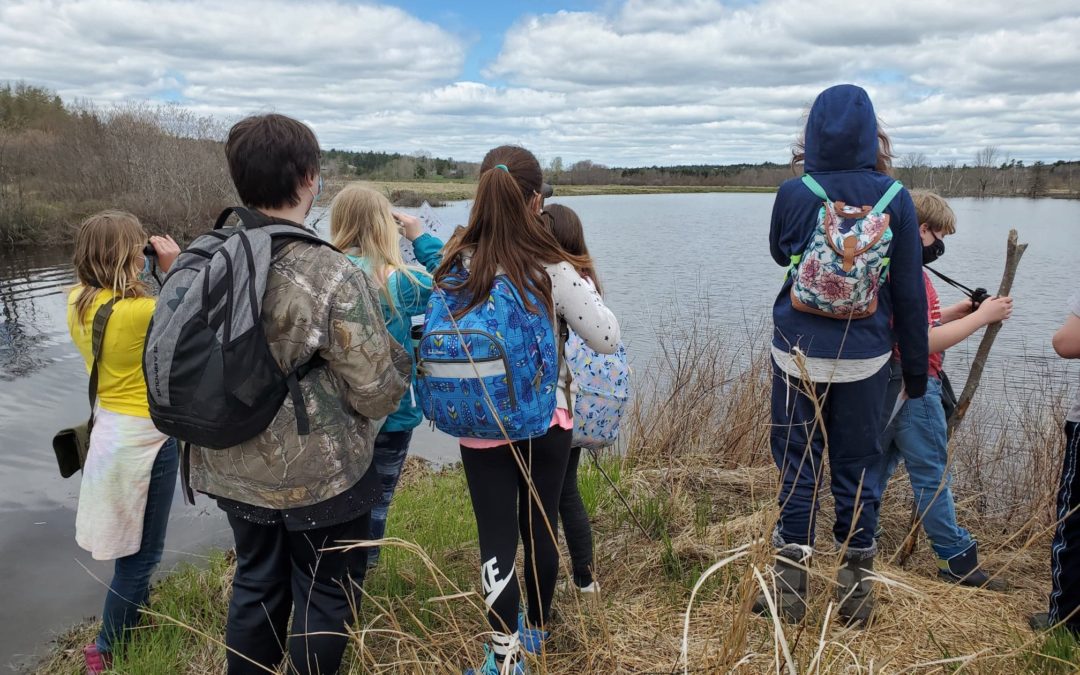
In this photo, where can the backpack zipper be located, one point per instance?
(498, 348)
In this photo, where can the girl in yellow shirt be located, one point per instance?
(130, 473)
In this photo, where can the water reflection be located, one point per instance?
(27, 278)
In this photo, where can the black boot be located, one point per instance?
(789, 587)
(963, 568)
(856, 590)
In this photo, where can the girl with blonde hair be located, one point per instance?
(364, 226)
(130, 472)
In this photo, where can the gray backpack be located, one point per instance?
(211, 379)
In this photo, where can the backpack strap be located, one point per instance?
(886, 198)
(245, 215)
(282, 233)
(101, 320)
(815, 187)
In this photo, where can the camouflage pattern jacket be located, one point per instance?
(316, 301)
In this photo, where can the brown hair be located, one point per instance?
(885, 153)
(108, 250)
(505, 232)
(269, 157)
(932, 209)
(566, 226)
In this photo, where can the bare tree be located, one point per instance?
(913, 170)
(985, 166)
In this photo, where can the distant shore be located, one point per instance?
(411, 193)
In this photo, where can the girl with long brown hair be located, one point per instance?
(515, 487)
(569, 232)
(130, 472)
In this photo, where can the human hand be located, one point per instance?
(962, 308)
(995, 309)
(167, 251)
(411, 226)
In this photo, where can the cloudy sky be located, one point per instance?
(622, 82)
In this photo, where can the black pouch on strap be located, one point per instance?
(71, 445)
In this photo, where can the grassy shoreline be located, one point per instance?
(431, 621)
(696, 470)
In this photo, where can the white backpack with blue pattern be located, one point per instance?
(603, 389)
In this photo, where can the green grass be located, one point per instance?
(408, 606)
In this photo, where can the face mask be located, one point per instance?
(148, 265)
(315, 197)
(933, 251)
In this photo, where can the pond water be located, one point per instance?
(660, 257)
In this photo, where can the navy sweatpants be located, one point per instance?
(852, 415)
(1065, 552)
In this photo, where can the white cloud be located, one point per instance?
(638, 81)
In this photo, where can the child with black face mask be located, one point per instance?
(917, 432)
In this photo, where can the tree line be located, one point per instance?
(60, 161)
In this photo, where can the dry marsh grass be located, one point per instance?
(695, 468)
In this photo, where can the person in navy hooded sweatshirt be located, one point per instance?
(842, 362)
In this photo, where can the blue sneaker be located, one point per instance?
(491, 666)
(532, 639)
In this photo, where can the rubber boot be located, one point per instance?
(963, 568)
(855, 590)
(790, 584)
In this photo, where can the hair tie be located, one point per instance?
(503, 167)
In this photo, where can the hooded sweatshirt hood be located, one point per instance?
(841, 132)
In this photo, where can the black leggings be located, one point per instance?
(575, 522)
(504, 508)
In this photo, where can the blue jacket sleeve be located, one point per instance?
(411, 295)
(776, 230)
(428, 250)
(908, 293)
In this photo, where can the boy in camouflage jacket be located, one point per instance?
(289, 497)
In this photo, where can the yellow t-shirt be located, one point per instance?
(121, 386)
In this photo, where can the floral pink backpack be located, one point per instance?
(842, 269)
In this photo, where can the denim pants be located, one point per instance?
(919, 436)
(1065, 551)
(130, 586)
(391, 447)
(852, 416)
(281, 572)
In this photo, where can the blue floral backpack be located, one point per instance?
(603, 389)
(842, 269)
(491, 373)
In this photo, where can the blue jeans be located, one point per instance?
(919, 436)
(391, 447)
(852, 418)
(130, 587)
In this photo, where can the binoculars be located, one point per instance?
(977, 297)
(149, 250)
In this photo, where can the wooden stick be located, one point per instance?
(1013, 253)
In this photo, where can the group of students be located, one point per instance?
(851, 340)
(325, 467)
